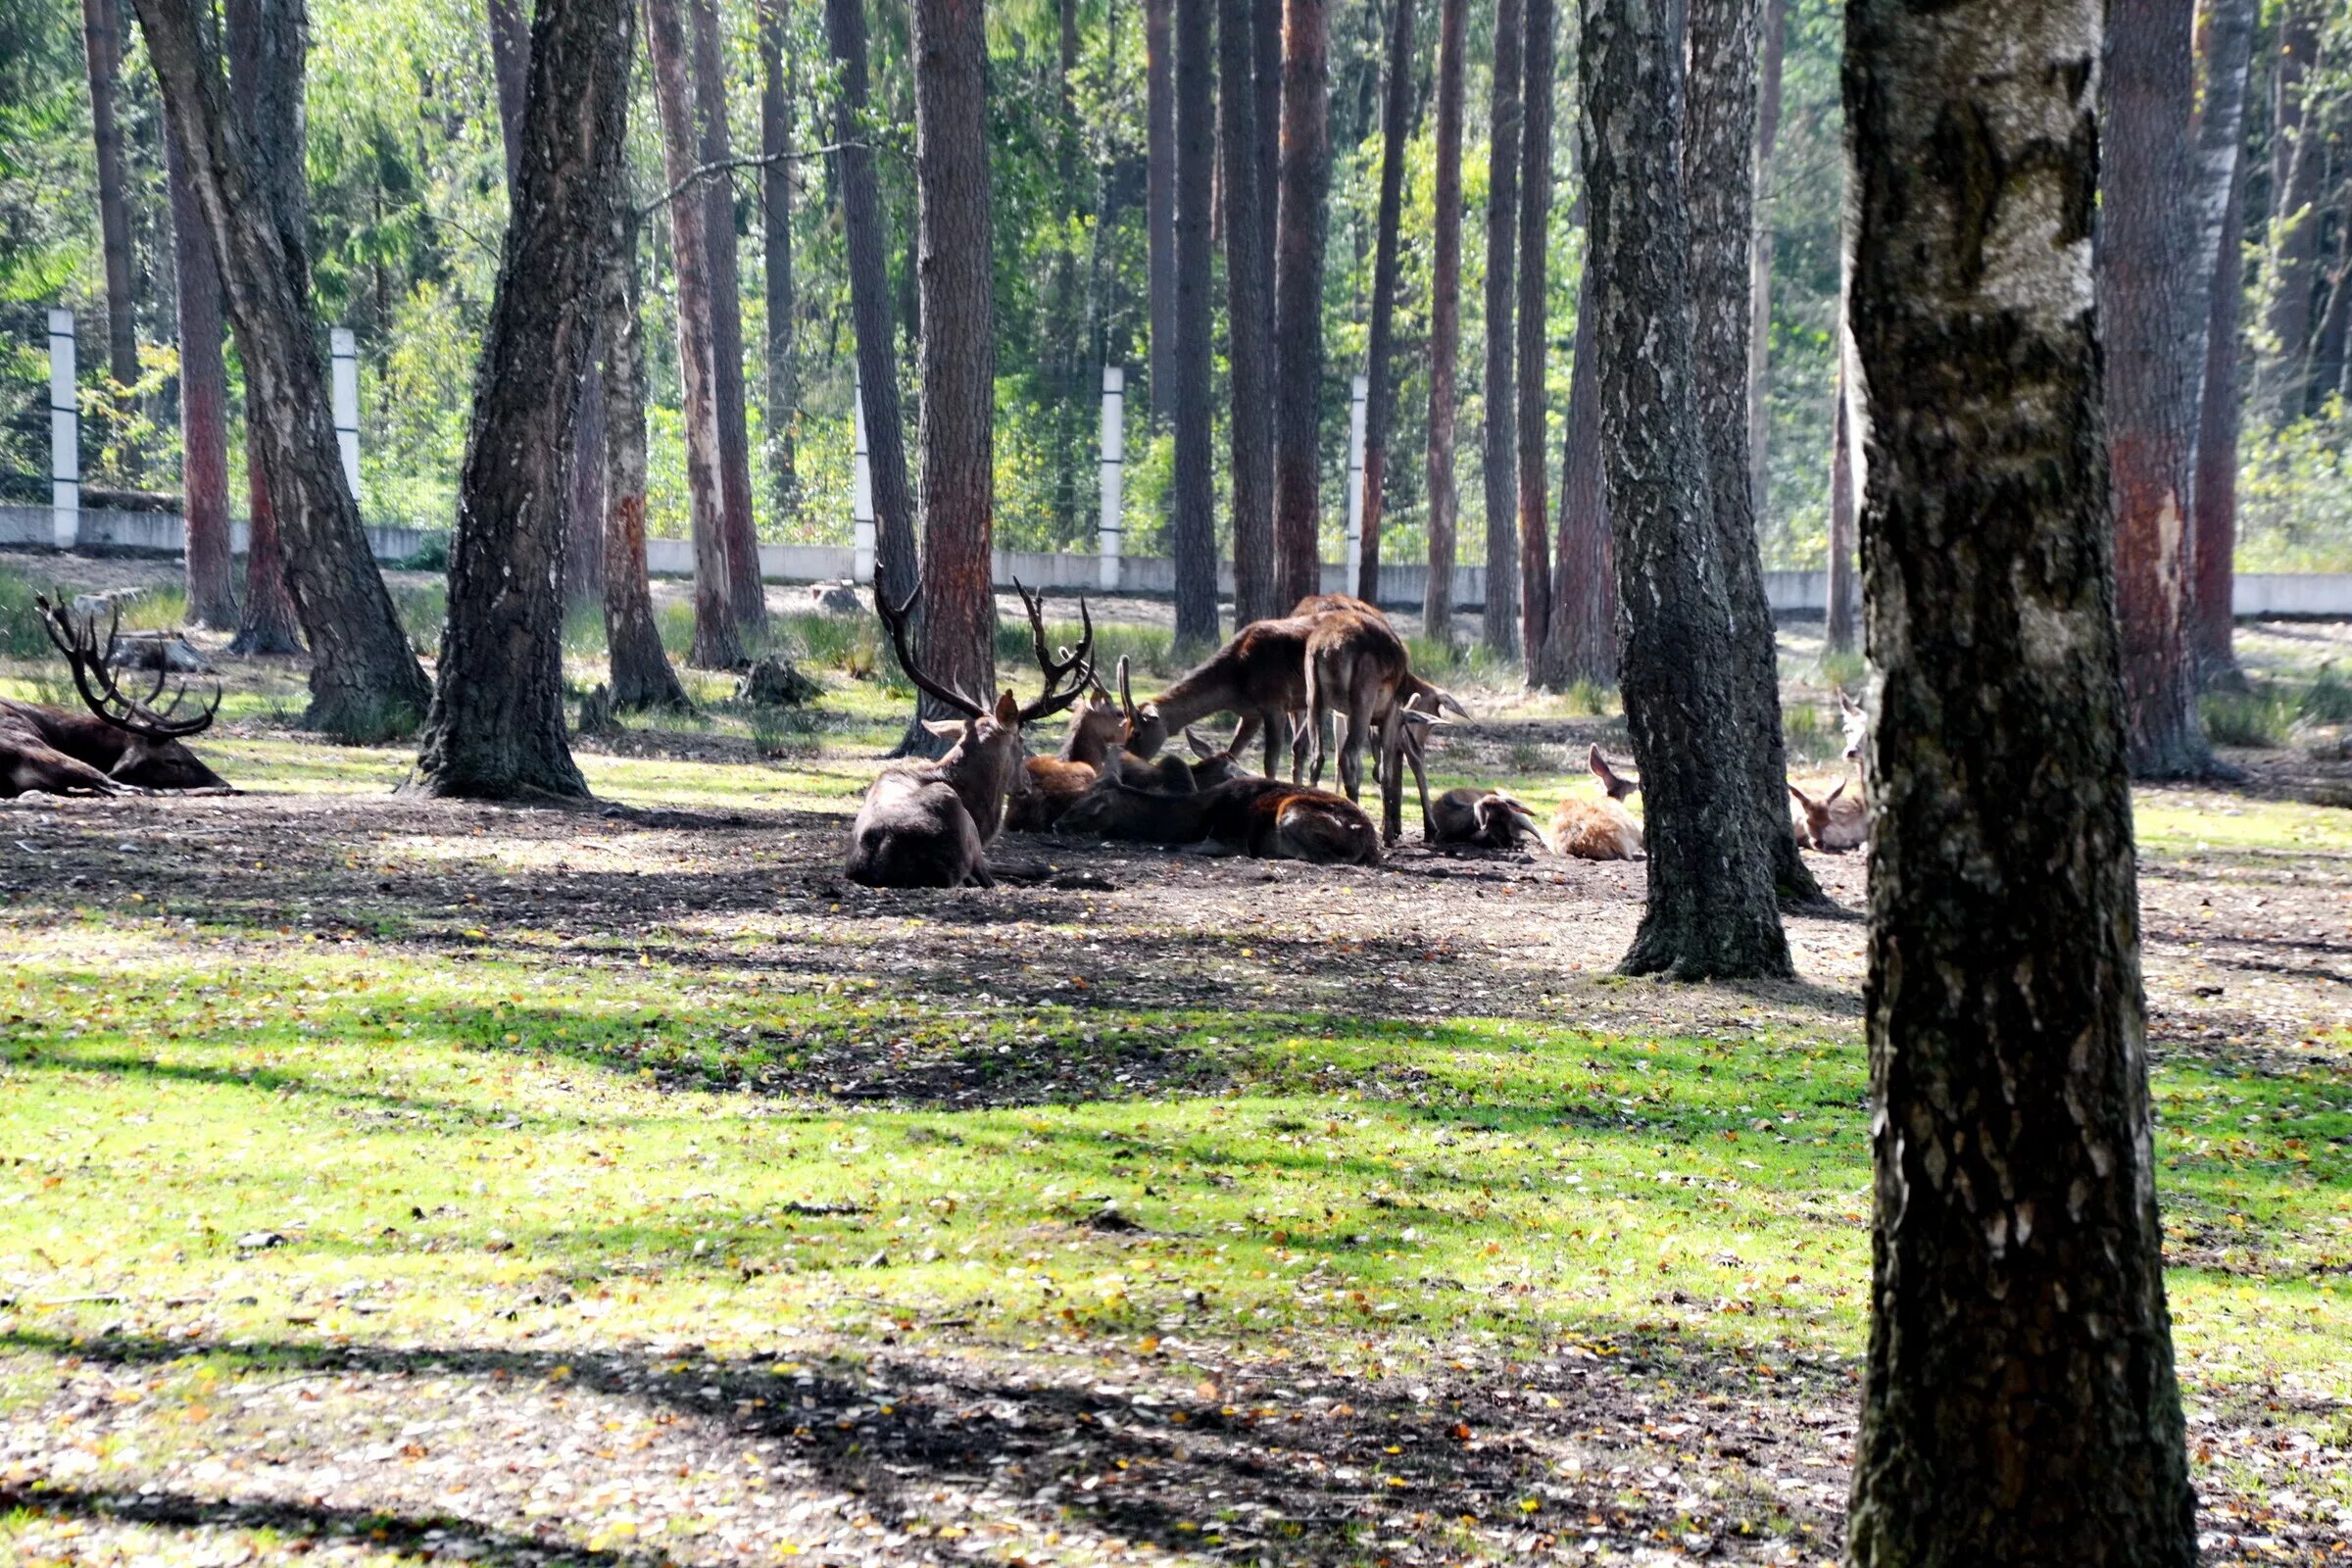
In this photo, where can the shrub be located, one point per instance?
(2329, 699)
(20, 634)
(2260, 717)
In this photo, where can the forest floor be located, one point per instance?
(386, 1180)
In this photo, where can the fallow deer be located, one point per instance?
(1598, 830)
(1833, 823)
(928, 824)
(124, 744)
(1482, 819)
(1856, 721)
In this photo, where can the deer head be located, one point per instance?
(1857, 726)
(1618, 786)
(151, 756)
(1147, 730)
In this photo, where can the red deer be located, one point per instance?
(123, 745)
(1355, 664)
(1270, 820)
(1602, 830)
(1150, 803)
(1261, 674)
(928, 824)
(1835, 823)
(1055, 782)
(1483, 818)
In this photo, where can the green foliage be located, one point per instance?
(1845, 670)
(2294, 506)
(20, 633)
(2328, 697)
(2260, 717)
(430, 555)
(423, 610)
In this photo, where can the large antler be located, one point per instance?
(76, 637)
(1052, 699)
(896, 620)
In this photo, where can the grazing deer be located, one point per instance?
(1835, 823)
(1598, 830)
(928, 824)
(1260, 674)
(1481, 819)
(124, 744)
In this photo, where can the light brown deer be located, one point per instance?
(1833, 823)
(1479, 818)
(1598, 830)
(1260, 674)
(1054, 782)
(124, 744)
(928, 824)
(1355, 665)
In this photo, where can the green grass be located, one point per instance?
(2264, 716)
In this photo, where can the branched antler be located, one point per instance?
(894, 619)
(1052, 699)
(76, 637)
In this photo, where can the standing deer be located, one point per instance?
(1355, 664)
(123, 745)
(928, 824)
(1598, 830)
(1260, 674)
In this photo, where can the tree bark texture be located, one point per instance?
(364, 675)
(1445, 322)
(2225, 44)
(868, 254)
(1582, 640)
(1380, 396)
(717, 628)
(2298, 161)
(1771, 49)
(2019, 1399)
(202, 404)
(1265, 53)
(1194, 533)
(958, 349)
(1712, 910)
(496, 730)
(2152, 321)
(640, 668)
(267, 622)
(1500, 470)
(1159, 198)
(102, 52)
(511, 75)
(1531, 449)
(775, 226)
(1302, 227)
(727, 319)
(584, 508)
(1248, 315)
(1840, 621)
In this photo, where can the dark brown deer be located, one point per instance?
(928, 824)
(1355, 665)
(1485, 820)
(1598, 830)
(1270, 820)
(124, 744)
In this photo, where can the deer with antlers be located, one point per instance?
(928, 824)
(124, 744)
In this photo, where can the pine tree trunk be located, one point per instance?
(1248, 318)
(2299, 163)
(642, 676)
(203, 405)
(1759, 307)
(717, 629)
(364, 677)
(1265, 53)
(1159, 199)
(1446, 323)
(1720, 135)
(1396, 116)
(1500, 621)
(868, 253)
(775, 228)
(1301, 228)
(958, 350)
(1712, 909)
(2019, 1397)
(2152, 320)
(496, 730)
(1581, 645)
(267, 624)
(511, 75)
(744, 588)
(1840, 618)
(2226, 46)
(1531, 449)
(2323, 374)
(102, 51)
(1193, 534)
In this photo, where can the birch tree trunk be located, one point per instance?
(2225, 44)
(1395, 115)
(1301, 228)
(641, 674)
(1194, 536)
(1249, 317)
(718, 195)
(1534, 280)
(1499, 624)
(2019, 1395)
(202, 404)
(1446, 323)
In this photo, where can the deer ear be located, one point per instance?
(1799, 795)
(1848, 703)
(947, 730)
(1833, 794)
(1009, 710)
(1201, 747)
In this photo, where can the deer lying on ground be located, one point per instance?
(124, 744)
(1835, 823)
(928, 824)
(1265, 819)
(1482, 819)
(1598, 830)
(1056, 782)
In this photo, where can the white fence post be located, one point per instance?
(1356, 480)
(1115, 458)
(862, 488)
(65, 435)
(345, 349)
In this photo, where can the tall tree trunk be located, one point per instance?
(496, 730)
(364, 677)
(1839, 616)
(1719, 136)
(584, 507)
(1248, 319)
(2324, 372)
(726, 318)
(102, 51)
(2224, 41)
(1534, 319)
(202, 404)
(1159, 198)
(1301, 228)
(868, 252)
(775, 228)
(1396, 128)
(266, 624)
(958, 349)
(2298, 161)
(2019, 1395)
(1265, 53)
(1582, 643)
(642, 676)
(1194, 536)
(1446, 323)
(511, 75)
(2152, 320)
(1500, 623)
(717, 628)
(1759, 307)
(1711, 909)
